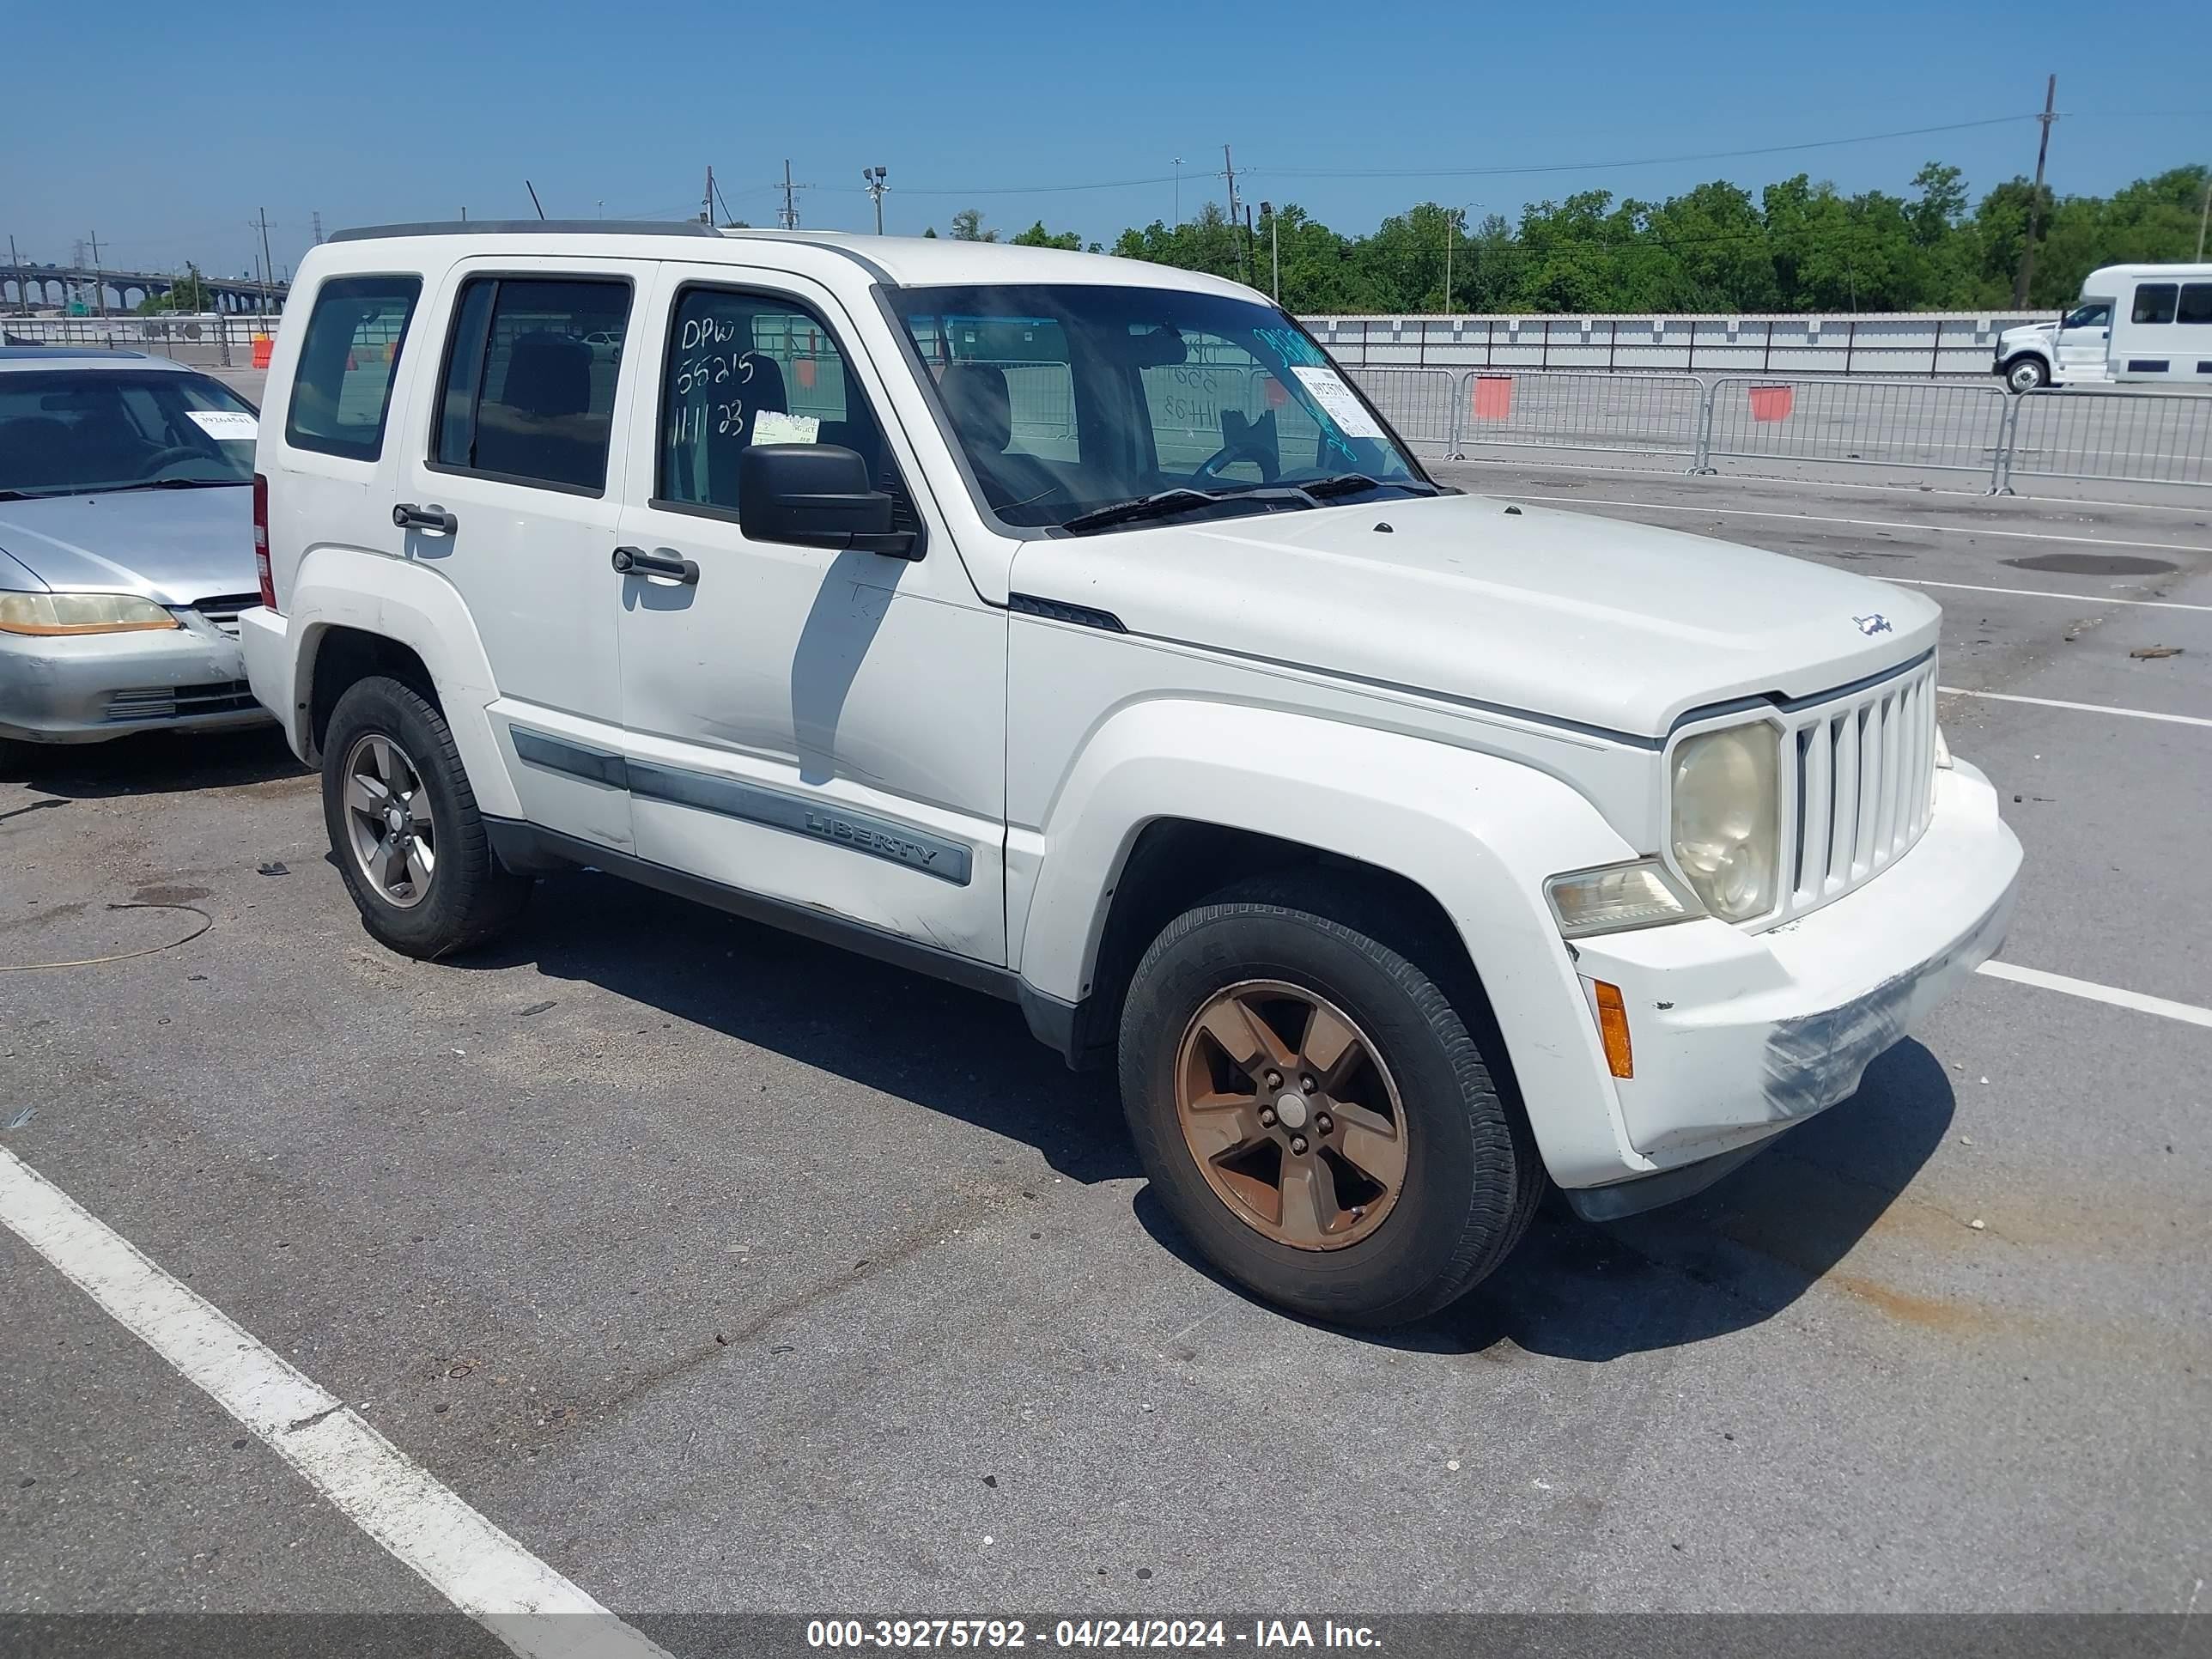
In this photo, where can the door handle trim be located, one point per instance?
(408, 516)
(633, 561)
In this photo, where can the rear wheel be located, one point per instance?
(403, 823)
(1312, 1109)
(2027, 374)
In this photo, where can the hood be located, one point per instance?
(2027, 333)
(1593, 621)
(170, 545)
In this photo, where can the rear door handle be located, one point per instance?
(629, 559)
(408, 516)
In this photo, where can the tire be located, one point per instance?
(1471, 1176)
(461, 894)
(2027, 375)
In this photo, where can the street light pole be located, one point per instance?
(871, 180)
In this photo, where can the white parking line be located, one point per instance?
(1865, 524)
(2082, 707)
(2090, 600)
(464, 1557)
(2185, 1011)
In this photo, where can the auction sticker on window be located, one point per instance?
(1337, 401)
(225, 425)
(773, 426)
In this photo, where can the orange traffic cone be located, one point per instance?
(262, 346)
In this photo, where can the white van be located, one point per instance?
(2135, 324)
(1071, 628)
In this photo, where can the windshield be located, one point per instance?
(78, 432)
(1068, 400)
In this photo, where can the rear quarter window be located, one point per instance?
(342, 386)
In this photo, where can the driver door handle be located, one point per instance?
(408, 516)
(629, 559)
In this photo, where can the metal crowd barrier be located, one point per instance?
(2127, 437)
(1922, 425)
(2147, 436)
(1655, 414)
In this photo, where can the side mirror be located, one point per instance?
(817, 495)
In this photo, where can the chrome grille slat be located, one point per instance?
(1864, 788)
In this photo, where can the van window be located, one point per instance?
(527, 397)
(750, 368)
(342, 387)
(2195, 303)
(2153, 303)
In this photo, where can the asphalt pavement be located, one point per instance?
(726, 1273)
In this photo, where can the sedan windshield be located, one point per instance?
(1090, 407)
(80, 432)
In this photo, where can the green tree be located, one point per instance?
(190, 293)
(1037, 236)
(968, 226)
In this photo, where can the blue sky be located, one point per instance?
(166, 139)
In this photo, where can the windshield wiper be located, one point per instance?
(1347, 483)
(172, 484)
(1181, 499)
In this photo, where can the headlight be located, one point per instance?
(80, 613)
(1728, 832)
(1644, 894)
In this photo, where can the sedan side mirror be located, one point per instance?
(817, 495)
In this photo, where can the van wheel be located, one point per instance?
(1312, 1109)
(404, 824)
(2027, 374)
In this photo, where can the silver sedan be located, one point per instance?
(127, 546)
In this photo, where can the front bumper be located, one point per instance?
(87, 687)
(1738, 1036)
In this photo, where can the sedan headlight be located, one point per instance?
(80, 613)
(1727, 819)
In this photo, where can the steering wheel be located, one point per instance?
(161, 459)
(1245, 449)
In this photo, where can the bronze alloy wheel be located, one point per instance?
(1292, 1115)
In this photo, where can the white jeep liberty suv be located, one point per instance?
(1069, 627)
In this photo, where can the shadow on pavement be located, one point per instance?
(1731, 1257)
(150, 763)
(952, 1050)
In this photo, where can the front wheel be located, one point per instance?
(2027, 375)
(403, 823)
(1313, 1110)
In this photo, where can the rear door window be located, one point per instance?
(342, 387)
(529, 395)
(2195, 303)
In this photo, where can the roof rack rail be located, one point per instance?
(530, 227)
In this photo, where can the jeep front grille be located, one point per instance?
(1865, 785)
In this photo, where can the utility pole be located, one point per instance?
(789, 217)
(1274, 246)
(2035, 202)
(707, 201)
(99, 278)
(1229, 170)
(1178, 168)
(318, 230)
(1451, 235)
(267, 264)
(871, 180)
(2203, 213)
